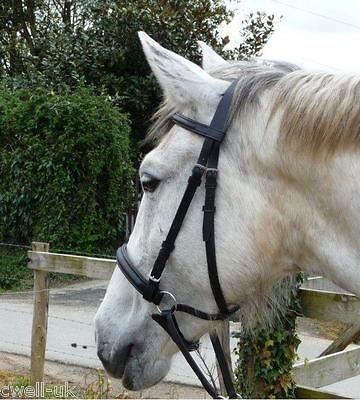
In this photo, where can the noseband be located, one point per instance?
(149, 287)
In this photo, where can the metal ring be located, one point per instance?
(172, 297)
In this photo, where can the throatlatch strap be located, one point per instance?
(221, 117)
(224, 367)
(167, 321)
(203, 315)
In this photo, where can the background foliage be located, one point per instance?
(13, 271)
(67, 42)
(65, 167)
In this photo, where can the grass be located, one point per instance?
(95, 386)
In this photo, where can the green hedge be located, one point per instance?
(13, 271)
(65, 167)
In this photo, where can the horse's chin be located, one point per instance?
(141, 373)
(135, 380)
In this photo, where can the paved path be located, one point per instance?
(71, 333)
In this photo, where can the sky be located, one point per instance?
(317, 34)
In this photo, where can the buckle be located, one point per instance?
(209, 210)
(197, 173)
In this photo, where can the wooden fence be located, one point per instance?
(333, 365)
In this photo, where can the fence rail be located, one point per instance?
(97, 268)
(324, 371)
(330, 306)
(322, 305)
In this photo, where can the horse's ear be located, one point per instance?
(182, 81)
(210, 59)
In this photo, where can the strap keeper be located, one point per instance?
(209, 210)
(211, 173)
(201, 166)
(152, 292)
(152, 278)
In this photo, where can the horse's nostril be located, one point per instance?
(128, 383)
(103, 354)
(114, 360)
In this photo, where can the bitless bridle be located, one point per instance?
(150, 287)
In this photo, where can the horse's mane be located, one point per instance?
(253, 76)
(320, 111)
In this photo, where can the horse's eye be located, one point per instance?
(149, 183)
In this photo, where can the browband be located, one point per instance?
(197, 127)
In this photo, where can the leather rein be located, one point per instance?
(149, 287)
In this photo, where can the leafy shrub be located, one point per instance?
(265, 356)
(65, 168)
(13, 271)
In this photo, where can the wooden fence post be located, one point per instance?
(40, 318)
(343, 340)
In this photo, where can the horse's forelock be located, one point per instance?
(162, 123)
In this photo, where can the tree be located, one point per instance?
(26, 26)
(255, 33)
(66, 42)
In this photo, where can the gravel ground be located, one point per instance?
(74, 375)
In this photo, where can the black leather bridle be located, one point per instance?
(149, 287)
